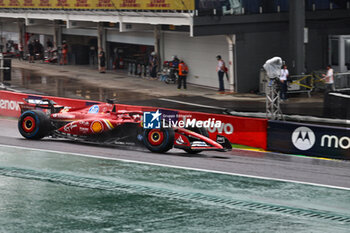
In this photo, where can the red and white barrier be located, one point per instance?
(9, 102)
(239, 130)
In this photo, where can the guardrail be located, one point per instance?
(310, 82)
(302, 83)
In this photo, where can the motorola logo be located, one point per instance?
(303, 138)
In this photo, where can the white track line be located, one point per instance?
(192, 104)
(179, 167)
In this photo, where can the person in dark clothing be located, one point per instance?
(283, 83)
(102, 58)
(174, 67)
(49, 44)
(31, 52)
(38, 49)
(153, 65)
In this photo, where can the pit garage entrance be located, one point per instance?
(339, 52)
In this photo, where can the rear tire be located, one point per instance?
(201, 131)
(159, 140)
(34, 124)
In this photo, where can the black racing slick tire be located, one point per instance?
(159, 140)
(202, 131)
(34, 124)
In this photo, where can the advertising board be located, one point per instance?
(307, 139)
(100, 4)
(9, 102)
(239, 130)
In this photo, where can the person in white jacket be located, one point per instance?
(329, 79)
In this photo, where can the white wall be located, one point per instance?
(9, 31)
(41, 30)
(79, 32)
(141, 38)
(199, 53)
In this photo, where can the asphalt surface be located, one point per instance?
(249, 163)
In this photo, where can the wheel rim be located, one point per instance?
(155, 137)
(28, 124)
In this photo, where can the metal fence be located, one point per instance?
(342, 81)
(310, 82)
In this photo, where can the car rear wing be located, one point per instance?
(46, 105)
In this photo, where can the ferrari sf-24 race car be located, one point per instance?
(105, 124)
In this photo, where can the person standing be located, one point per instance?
(183, 71)
(102, 58)
(64, 53)
(220, 68)
(283, 82)
(174, 68)
(49, 44)
(21, 52)
(31, 52)
(329, 79)
(154, 65)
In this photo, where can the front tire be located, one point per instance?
(34, 124)
(159, 140)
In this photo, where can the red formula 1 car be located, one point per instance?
(105, 124)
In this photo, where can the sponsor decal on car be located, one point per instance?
(94, 109)
(180, 141)
(97, 127)
(62, 116)
(84, 123)
(199, 144)
(69, 127)
(83, 129)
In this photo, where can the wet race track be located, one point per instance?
(59, 186)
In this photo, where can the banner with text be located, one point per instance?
(308, 139)
(101, 4)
